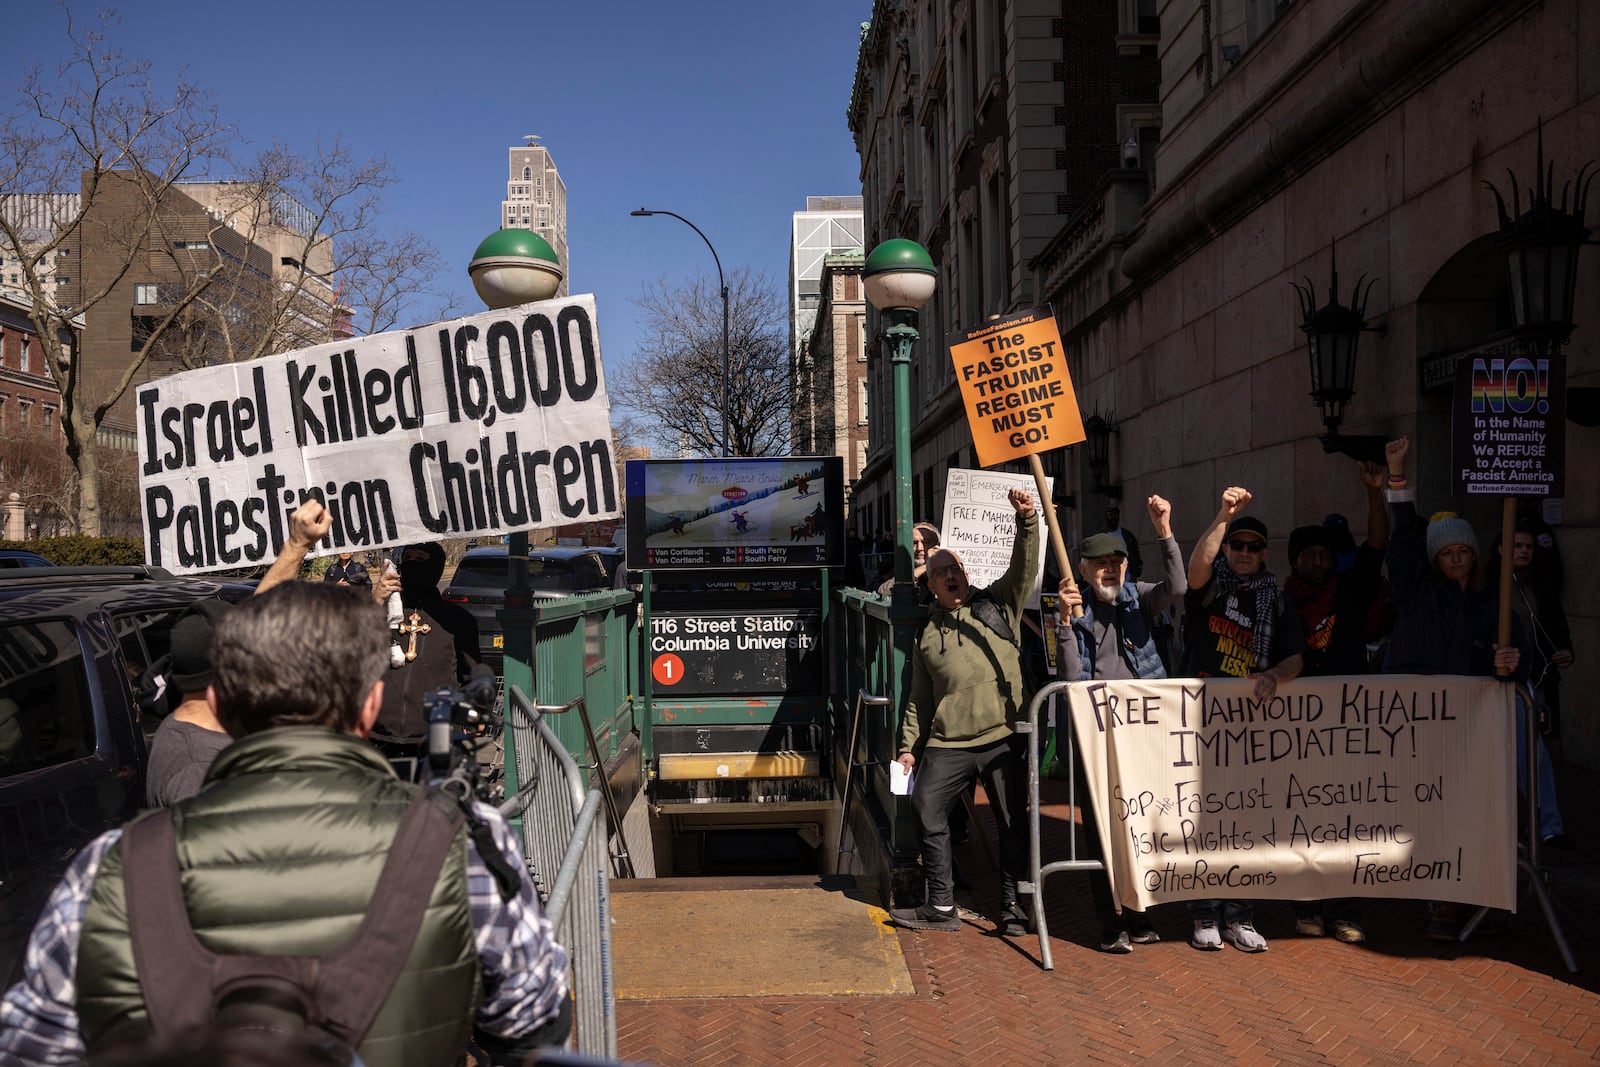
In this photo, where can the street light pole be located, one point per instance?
(721, 282)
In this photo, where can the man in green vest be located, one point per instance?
(279, 855)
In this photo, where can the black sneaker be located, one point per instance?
(1115, 940)
(1014, 920)
(1140, 932)
(926, 917)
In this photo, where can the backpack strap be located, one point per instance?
(341, 993)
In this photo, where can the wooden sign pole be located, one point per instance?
(1508, 536)
(1053, 524)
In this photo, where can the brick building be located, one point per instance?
(217, 228)
(29, 399)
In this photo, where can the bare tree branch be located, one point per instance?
(673, 384)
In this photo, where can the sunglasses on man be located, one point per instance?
(1239, 544)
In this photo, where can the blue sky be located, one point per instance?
(729, 112)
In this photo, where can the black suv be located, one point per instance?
(72, 745)
(554, 571)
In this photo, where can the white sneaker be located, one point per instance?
(1206, 937)
(1243, 936)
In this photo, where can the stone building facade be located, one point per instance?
(1366, 126)
(980, 125)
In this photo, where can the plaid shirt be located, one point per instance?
(524, 970)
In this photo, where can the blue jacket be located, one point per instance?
(1137, 648)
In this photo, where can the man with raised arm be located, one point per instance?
(1115, 638)
(1237, 623)
(966, 692)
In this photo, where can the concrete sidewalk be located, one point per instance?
(1398, 999)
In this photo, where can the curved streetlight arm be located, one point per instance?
(722, 283)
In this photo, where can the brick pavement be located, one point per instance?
(1399, 999)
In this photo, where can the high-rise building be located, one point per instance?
(829, 224)
(536, 199)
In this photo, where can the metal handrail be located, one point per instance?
(624, 860)
(568, 863)
(1037, 872)
(863, 701)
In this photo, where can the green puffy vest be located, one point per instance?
(279, 856)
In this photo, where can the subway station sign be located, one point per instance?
(708, 653)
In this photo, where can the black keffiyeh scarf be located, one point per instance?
(1264, 586)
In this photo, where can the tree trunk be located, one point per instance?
(83, 450)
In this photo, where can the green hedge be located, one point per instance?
(82, 551)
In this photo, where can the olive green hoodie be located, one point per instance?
(966, 680)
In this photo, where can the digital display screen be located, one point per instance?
(695, 514)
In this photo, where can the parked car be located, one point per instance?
(21, 557)
(72, 744)
(554, 571)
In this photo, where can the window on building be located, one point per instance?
(146, 293)
(63, 253)
(62, 279)
(24, 408)
(49, 417)
(192, 246)
(527, 172)
(861, 412)
(26, 354)
(3, 399)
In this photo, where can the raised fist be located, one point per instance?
(1021, 500)
(1371, 474)
(1234, 498)
(1395, 452)
(1160, 509)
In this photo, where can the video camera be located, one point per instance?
(460, 722)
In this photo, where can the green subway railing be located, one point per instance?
(584, 646)
(867, 658)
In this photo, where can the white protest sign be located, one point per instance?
(1367, 786)
(494, 422)
(980, 523)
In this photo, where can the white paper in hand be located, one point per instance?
(900, 782)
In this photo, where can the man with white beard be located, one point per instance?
(1115, 638)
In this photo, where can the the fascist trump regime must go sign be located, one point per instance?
(1014, 382)
(485, 424)
(1367, 786)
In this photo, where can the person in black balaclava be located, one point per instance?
(421, 568)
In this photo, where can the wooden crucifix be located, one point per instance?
(413, 626)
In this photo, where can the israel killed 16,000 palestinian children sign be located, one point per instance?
(485, 424)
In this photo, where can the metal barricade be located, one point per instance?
(1037, 872)
(564, 845)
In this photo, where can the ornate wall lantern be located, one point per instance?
(1334, 333)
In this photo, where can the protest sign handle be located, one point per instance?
(1508, 536)
(1053, 524)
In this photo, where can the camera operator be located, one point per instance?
(293, 810)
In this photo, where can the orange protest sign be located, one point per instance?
(1014, 382)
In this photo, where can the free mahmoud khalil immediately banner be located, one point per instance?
(1369, 786)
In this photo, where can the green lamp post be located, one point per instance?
(899, 276)
(514, 267)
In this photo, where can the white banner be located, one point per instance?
(1371, 786)
(980, 523)
(486, 424)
